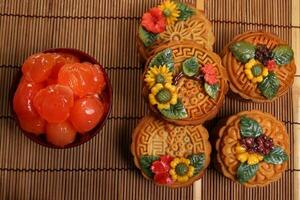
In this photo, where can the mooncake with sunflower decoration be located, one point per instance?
(252, 148)
(185, 83)
(170, 155)
(173, 21)
(260, 66)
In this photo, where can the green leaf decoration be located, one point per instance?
(212, 90)
(282, 54)
(276, 156)
(197, 160)
(190, 67)
(185, 11)
(146, 162)
(147, 38)
(176, 111)
(243, 51)
(245, 172)
(269, 86)
(163, 58)
(250, 127)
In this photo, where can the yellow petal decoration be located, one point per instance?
(176, 174)
(243, 156)
(170, 11)
(163, 95)
(159, 74)
(249, 73)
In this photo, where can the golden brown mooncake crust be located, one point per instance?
(238, 81)
(153, 136)
(199, 105)
(228, 135)
(197, 29)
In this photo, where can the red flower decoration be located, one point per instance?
(161, 168)
(210, 75)
(271, 65)
(154, 21)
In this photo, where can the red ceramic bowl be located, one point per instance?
(106, 96)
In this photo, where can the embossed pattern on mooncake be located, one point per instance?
(155, 137)
(199, 106)
(197, 28)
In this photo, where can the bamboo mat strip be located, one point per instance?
(296, 45)
(296, 92)
(83, 185)
(245, 11)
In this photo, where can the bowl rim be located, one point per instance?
(90, 134)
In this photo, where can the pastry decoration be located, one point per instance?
(166, 78)
(161, 82)
(157, 19)
(255, 147)
(167, 169)
(172, 21)
(260, 66)
(168, 154)
(252, 148)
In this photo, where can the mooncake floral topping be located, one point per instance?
(156, 19)
(255, 71)
(163, 95)
(210, 74)
(255, 147)
(170, 10)
(156, 75)
(181, 169)
(161, 78)
(244, 156)
(167, 169)
(161, 168)
(259, 61)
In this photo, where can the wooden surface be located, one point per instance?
(103, 168)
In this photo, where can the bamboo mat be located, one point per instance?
(103, 168)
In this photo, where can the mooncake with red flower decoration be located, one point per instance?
(170, 155)
(260, 66)
(252, 148)
(173, 21)
(185, 83)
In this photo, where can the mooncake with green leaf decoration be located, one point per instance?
(252, 148)
(173, 21)
(260, 66)
(184, 83)
(170, 155)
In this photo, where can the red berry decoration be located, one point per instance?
(263, 54)
(262, 144)
(271, 65)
